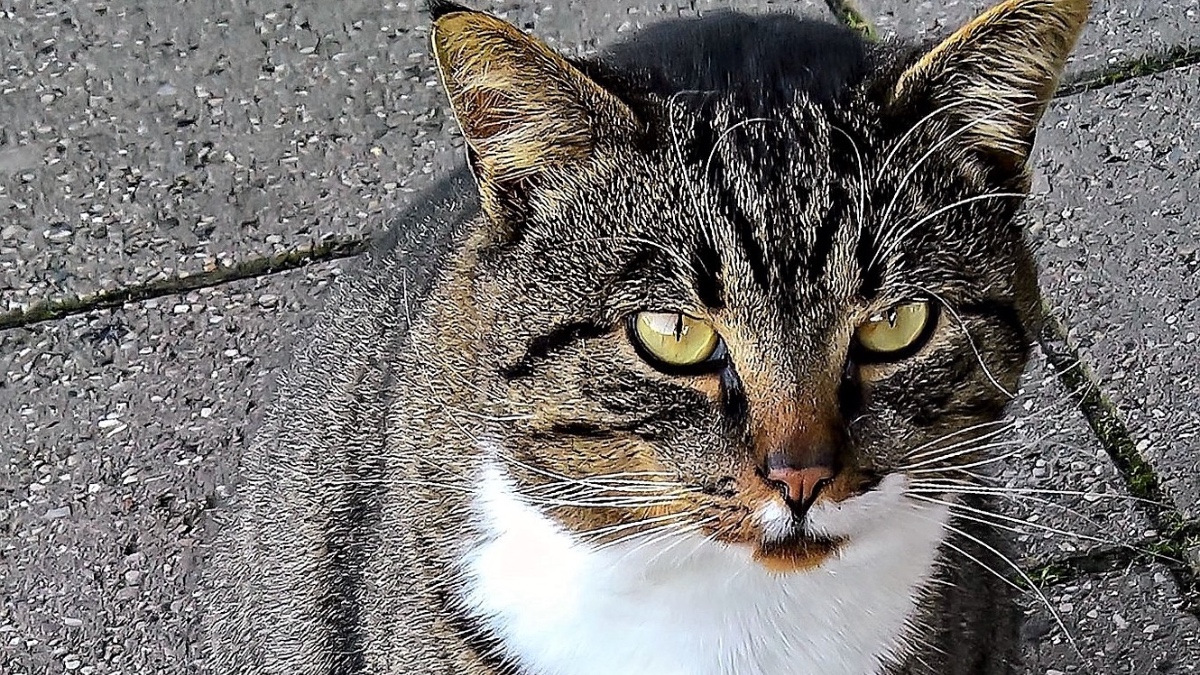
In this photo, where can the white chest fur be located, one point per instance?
(562, 607)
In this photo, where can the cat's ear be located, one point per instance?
(525, 111)
(994, 77)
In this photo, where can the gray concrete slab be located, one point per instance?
(146, 140)
(1061, 495)
(119, 430)
(1123, 623)
(1119, 216)
(1118, 32)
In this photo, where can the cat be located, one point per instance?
(643, 390)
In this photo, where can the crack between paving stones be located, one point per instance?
(1179, 56)
(1175, 535)
(1100, 560)
(49, 310)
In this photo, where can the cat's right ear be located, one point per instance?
(529, 117)
(993, 78)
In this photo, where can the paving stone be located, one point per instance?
(1064, 495)
(148, 140)
(1119, 220)
(1118, 31)
(120, 429)
(1124, 623)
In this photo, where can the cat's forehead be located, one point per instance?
(768, 200)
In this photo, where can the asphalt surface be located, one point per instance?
(142, 143)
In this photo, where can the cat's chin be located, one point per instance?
(796, 553)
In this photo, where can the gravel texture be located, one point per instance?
(1120, 226)
(1125, 622)
(120, 430)
(1066, 497)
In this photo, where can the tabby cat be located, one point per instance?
(643, 392)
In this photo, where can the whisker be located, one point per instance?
(887, 250)
(606, 530)
(666, 549)
(908, 134)
(887, 213)
(648, 487)
(671, 532)
(916, 453)
(717, 145)
(941, 488)
(981, 516)
(983, 462)
(1024, 576)
(960, 449)
(677, 149)
(860, 216)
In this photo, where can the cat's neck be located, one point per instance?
(684, 605)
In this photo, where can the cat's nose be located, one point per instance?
(800, 484)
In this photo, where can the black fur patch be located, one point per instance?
(545, 345)
(707, 268)
(760, 60)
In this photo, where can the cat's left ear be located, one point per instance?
(993, 78)
(525, 111)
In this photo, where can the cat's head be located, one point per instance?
(743, 271)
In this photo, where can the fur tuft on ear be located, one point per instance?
(439, 8)
(523, 109)
(994, 77)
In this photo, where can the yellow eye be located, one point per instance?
(895, 330)
(674, 339)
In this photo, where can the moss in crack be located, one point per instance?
(1179, 56)
(1099, 561)
(1140, 479)
(49, 310)
(1100, 412)
(1050, 574)
(851, 16)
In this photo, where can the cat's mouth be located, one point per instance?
(786, 543)
(785, 540)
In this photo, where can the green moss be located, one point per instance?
(852, 17)
(1177, 57)
(1050, 574)
(1174, 533)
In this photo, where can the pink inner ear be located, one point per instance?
(486, 113)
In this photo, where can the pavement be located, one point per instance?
(181, 182)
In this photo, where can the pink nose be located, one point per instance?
(801, 485)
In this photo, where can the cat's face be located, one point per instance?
(716, 310)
